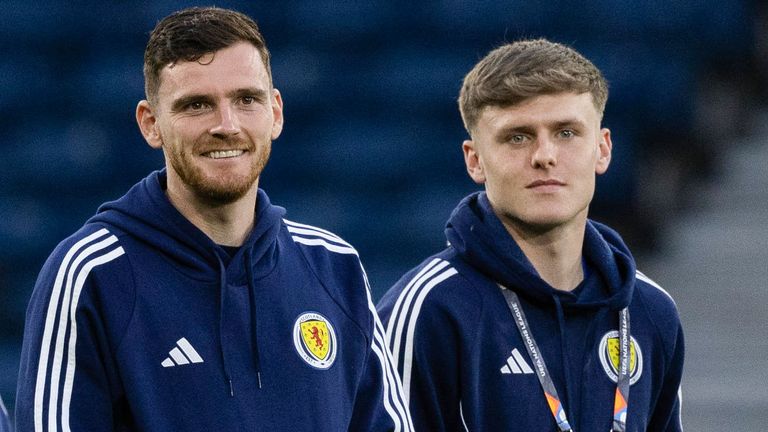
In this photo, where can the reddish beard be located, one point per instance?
(224, 188)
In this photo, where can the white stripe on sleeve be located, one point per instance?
(50, 320)
(644, 278)
(71, 356)
(71, 278)
(320, 242)
(404, 303)
(392, 395)
(412, 318)
(392, 385)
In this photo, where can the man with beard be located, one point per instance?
(190, 304)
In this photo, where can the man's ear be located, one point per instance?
(604, 152)
(473, 161)
(148, 126)
(277, 114)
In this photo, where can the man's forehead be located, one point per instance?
(242, 57)
(237, 66)
(547, 108)
(204, 59)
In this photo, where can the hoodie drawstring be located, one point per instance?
(222, 305)
(252, 300)
(222, 312)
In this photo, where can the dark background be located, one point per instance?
(371, 144)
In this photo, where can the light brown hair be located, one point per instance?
(521, 70)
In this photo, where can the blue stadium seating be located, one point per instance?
(371, 147)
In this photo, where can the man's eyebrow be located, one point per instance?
(514, 129)
(560, 124)
(256, 92)
(187, 99)
(523, 128)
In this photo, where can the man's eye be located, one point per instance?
(517, 139)
(567, 133)
(195, 106)
(248, 100)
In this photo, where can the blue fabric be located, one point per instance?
(464, 363)
(136, 323)
(5, 422)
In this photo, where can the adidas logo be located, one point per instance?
(516, 364)
(183, 353)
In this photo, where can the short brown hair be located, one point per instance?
(521, 70)
(191, 33)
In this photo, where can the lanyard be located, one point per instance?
(550, 393)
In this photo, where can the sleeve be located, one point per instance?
(425, 341)
(667, 413)
(66, 372)
(379, 402)
(5, 423)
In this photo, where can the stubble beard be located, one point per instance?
(220, 189)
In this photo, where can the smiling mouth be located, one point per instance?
(539, 183)
(223, 154)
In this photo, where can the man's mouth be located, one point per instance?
(223, 154)
(547, 182)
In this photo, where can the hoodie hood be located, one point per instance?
(146, 214)
(480, 238)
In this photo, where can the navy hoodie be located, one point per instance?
(139, 322)
(5, 425)
(462, 359)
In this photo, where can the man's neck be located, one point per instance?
(226, 224)
(556, 254)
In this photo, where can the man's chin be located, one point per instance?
(223, 192)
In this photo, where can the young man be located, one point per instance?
(534, 318)
(190, 304)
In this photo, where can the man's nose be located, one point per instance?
(544, 153)
(227, 123)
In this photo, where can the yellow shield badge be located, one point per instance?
(315, 340)
(315, 337)
(609, 357)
